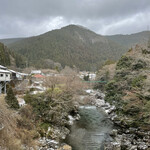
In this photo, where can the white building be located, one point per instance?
(21, 102)
(36, 72)
(5, 75)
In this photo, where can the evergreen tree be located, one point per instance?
(86, 77)
(11, 99)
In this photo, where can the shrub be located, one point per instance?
(138, 81)
(86, 77)
(139, 65)
(114, 92)
(124, 62)
(144, 51)
(11, 99)
(51, 107)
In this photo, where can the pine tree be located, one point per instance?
(11, 99)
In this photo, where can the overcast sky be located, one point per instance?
(19, 18)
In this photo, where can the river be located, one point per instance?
(90, 132)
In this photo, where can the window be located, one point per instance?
(1, 75)
(6, 75)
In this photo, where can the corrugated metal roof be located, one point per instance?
(12, 71)
(2, 67)
(36, 72)
(4, 71)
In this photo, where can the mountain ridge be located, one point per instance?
(71, 45)
(130, 40)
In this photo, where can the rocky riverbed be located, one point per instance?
(123, 137)
(58, 134)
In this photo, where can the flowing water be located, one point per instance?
(90, 132)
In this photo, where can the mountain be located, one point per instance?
(10, 41)
(9, 58)
(71, 45)
(131, 39)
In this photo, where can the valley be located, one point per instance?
(58, 101)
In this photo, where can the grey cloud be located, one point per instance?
(32, 17)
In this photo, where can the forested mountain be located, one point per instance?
(131, 39)
(71, 45)
(10, 40)
(4, 55)
(10, 58)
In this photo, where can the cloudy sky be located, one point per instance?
(19, 18)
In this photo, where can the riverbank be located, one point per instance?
(98, 127)
(123, 136)
(58, 133)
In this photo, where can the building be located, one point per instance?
(36, 72)
(5, 77)
(17, 75)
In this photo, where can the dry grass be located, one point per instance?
(11, 136)
(8, 134)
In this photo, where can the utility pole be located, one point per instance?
(0, 88)
(5, 85)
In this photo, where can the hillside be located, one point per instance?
(10, 41)
(129, 89)
(71, 45)
(11, 122)
(131, 39)
(4, 55)
(9, 58)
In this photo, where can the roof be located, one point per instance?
(38, 76)
(4, 71)
(22, 74)
(2, 67)
(36, 72)
(12, 71)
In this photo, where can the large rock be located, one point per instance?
(65, 147)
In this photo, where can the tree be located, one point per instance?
(86, 77)
(11, 99)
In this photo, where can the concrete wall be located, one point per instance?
(4, 76)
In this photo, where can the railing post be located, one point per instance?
(0, 88)
(5, 88)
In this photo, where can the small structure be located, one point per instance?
(17, 75)
(5, 77)
(21, 102)
(91, 75)
(37, 81)
(36, 72)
